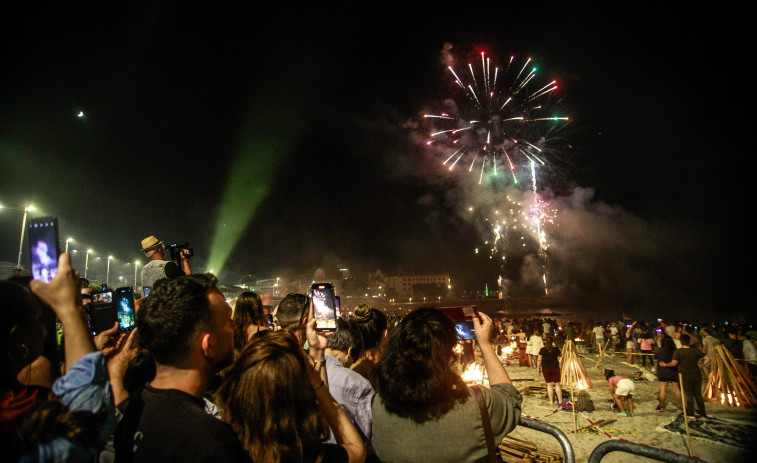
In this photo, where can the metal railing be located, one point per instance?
(567, 447)
(654, 453)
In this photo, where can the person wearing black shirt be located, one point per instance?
(186, 326)
(688, 360)
(732, 343)
(549, 365)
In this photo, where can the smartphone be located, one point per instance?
(146, 291)
(324, 306)
(102, 296)
(465, 330)
(101, 311)
(338, 304)
(463, 317)
(123, 299)
(43, 247)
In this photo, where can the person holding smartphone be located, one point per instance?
(420, 395)
(66, 419)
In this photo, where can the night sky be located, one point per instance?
(301, 121)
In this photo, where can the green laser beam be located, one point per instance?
(259, 157)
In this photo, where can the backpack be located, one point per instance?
(584, 402)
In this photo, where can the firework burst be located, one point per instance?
(496, 119)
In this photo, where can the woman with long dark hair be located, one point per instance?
(249, 318)
(274, 398)
(420, 395)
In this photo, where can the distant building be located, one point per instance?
(408, 285)
(273, 287)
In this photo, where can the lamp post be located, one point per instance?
(27, 208)
(86, 263)
(68, 240)
(107, 272)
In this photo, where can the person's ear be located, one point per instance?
(206, 344)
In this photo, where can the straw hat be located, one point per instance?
(150, 243)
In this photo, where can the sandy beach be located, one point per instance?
(727, 435)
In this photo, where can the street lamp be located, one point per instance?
(107, 272)
(86, 263)
(68, 240)
(27, 208)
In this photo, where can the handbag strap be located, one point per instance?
(487, 424)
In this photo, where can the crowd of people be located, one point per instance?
(683, 353)
(199, 381)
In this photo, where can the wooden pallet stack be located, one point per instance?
(729, 383)
(514, 450)
(572, 371)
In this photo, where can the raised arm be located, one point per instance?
(344, 431)
(64, 296)
(629, 330)
(185, 262)
(317, 344)
(483, 328)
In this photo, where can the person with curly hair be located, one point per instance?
(420, 395)
(276, 401)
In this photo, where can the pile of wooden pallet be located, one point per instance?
(514, 450)
(538, 391)
(572, 371)
(729, 383)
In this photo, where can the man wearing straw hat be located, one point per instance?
(158, 267)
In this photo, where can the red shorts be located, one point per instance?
(551, 375)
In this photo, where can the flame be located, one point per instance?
(731, 399)
(473, 374)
